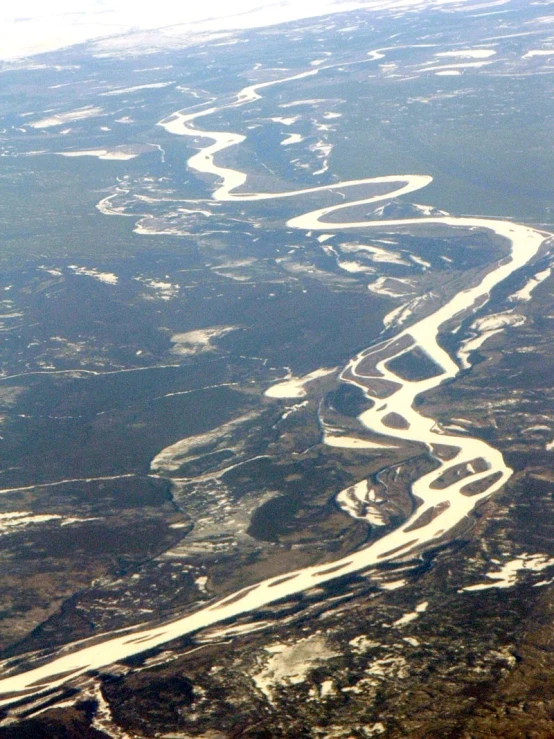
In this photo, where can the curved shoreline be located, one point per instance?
(452, 504)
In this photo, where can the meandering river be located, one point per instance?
(443, 493)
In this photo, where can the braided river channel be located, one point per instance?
(445, 498)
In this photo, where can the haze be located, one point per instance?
(34, 27)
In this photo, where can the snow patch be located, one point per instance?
(409, 617)
(122, 153)
(61, 118)
(351, 442)
(362, 501)
(293, 138)
(125, 90)
(526, 291)
(538, 52)
(199, 341)
(507, 574)
(107, 277)
(468, 53)
(291, 664)
(294, 387)
(160, 289)
(18, 520)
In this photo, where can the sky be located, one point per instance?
(29, 27)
